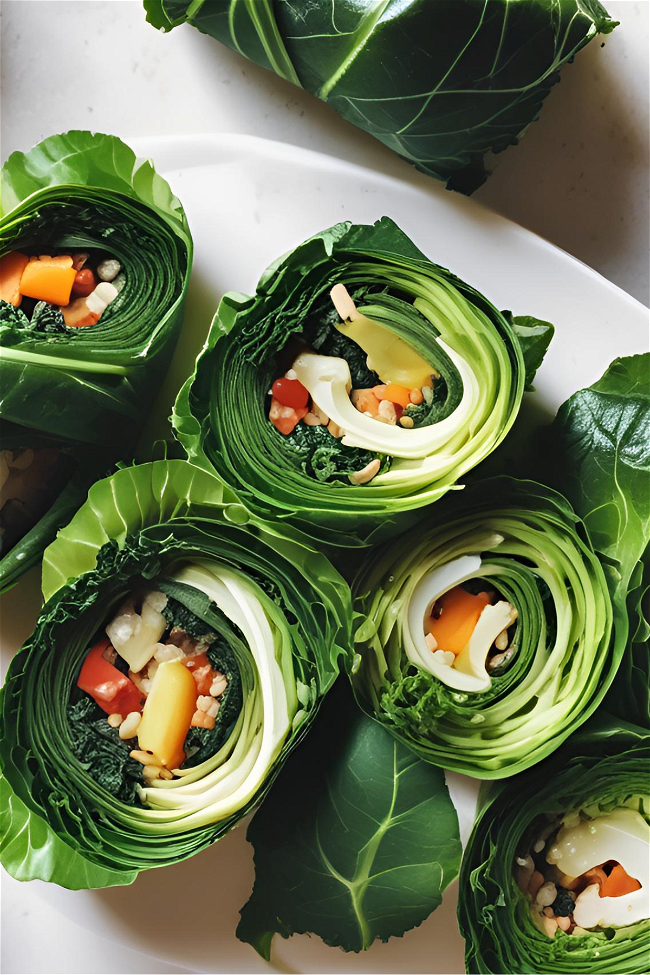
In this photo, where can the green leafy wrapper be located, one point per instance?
(535, 552)
(598, 452)
(601, 768)
(62, 825)
(482, 359)
(444, 84)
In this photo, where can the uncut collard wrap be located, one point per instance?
(61, 825)
(88, 386)
(484, 360)
(444, 84)
(603, 767)
(526, 541)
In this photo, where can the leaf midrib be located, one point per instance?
(358, 885)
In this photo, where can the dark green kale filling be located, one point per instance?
(12, 316)
(45, 318)
(102, 752)
(177, 614)
(322, 456)
(326, 339)
(48, 319)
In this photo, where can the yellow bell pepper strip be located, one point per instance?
(459, 613)
(167, 714)
(48, 279)
(12, 266)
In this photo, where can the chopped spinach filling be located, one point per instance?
(324, 457)
(103, 753)
(45, 318)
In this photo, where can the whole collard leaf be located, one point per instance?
(443, 83)
(598, 451)
(356, 842)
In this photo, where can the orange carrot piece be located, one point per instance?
(78, 314)
(48, 281)
(284, 418)
(618, 883)
(62, 260)
(393, 393)
(202, 720)
(12, 266)
(365, 401)
(460, 612)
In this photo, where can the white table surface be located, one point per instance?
(579, 178)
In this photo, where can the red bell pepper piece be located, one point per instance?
(110, 688)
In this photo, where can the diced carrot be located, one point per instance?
(202, 720)
(48, 280)
(12, 266)
(201, 671)
(594, 876)
(394, 393)
(78, 314)
(459, 613)
(365, 401)
(62, 260)
(618, 883)
(284, 418)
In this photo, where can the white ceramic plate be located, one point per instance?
(248, 201)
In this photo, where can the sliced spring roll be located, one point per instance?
(182, 653)
(556, 874)
(358, 384)
(486, 635)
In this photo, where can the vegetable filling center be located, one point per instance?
(586, 872)
(168, 686)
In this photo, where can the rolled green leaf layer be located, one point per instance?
(481, 361)
(495, 708)
(73, 813)
(602, 773)
(444, 84)
(86, 194)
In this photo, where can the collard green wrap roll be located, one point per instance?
(80, 367)
(252, 621)
(589, 803)
(485, 637)
(357, 326)
(82, 192)
(445, 84)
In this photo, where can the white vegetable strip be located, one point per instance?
(201, 797)
(328, 380)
